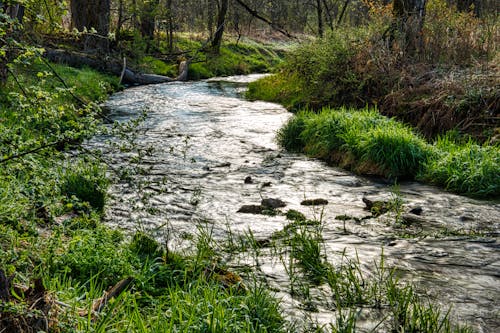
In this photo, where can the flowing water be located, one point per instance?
(201, 140)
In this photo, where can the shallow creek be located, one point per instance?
(204, 139)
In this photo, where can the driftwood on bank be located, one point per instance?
(129, 76)
(99, 304)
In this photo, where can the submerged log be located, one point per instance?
(129, 76)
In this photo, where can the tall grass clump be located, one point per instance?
(465, 168)
(396, 149)
(363, 141)
(87, 183)
(289, 136)
(368, 143)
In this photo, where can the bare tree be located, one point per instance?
(319, 9)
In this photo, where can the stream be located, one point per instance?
(200, 141)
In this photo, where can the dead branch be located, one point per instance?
(256, 14)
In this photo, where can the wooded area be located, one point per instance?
(122, 28)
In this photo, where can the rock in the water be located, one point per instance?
(368, 203)
(314, 202)
(251, 209)
(272, 203)
(412, 219)
(417, 210)
(266, 184)
(248, 180)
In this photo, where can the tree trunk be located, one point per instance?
(341, 16)
(170, 33)
(92, 14)
(319, 10)
(221, 21)
(11, 35)
(119, 24)
(410, 16)
(329, 17)
(211, 14)
(148, 20)
(128, 75)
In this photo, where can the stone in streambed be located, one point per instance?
(248, 180)
(314, 202)
(272, 203)
(251, 209)
(417, 210)
(376, 207)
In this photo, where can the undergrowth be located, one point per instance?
(450, 82)
(340, 281)
(57, 260)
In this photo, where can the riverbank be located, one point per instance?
(446, 92)
(58, 259)
(370, 144)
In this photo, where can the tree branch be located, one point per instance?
(273, 25)
(31, 151)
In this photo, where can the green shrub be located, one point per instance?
(317, 74)
(145, 245)
(199, 71)
(289, 136)
(88, 183)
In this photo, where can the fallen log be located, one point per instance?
(129, 76)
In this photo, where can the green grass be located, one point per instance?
(363, 141)
(465, 168)
(234, 59)
(368, 143)
(395, 306)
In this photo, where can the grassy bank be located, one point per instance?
(368, 143)
(448, 92)
(57, 260)
(236, 57)
(450, 83)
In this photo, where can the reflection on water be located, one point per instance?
(207, 140)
